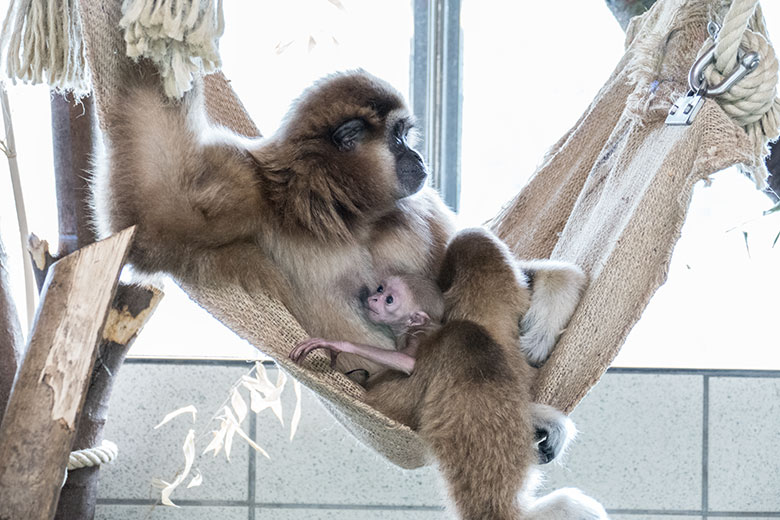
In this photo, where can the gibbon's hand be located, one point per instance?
(304, 348)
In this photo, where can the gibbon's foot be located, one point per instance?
(567, 504)
(552, 432)
(545, 449)
(359, 376)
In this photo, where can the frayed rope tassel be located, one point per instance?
(179, 36)
(41, 43)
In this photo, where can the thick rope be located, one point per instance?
(90, 457)
(753, 101)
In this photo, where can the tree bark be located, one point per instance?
(74, 128)
(624, 10)
(11, 348)
(42, 415)
(773, 165)
(132, 306)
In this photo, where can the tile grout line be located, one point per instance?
(252, 467)
(705, 447)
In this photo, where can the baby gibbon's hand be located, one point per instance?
(304, 348)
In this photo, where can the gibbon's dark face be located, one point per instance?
(355, 131)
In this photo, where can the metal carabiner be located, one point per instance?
(748, 61)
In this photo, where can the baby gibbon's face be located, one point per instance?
(391, 303)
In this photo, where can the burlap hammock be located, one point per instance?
(611, 196)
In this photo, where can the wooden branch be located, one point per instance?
(773, 165)
(624, 10)
(132, 307)
(41, 418)
(73, 135)
(10, 336)
(41, 259)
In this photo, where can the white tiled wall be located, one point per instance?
(647, 438)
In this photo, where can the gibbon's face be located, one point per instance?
(355, 132)
(391, 303)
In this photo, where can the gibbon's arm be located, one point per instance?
(176, 176)
(391, 359)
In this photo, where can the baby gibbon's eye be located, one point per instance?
(380, 289)
(389, 300)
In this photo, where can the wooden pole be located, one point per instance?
(41, 418)
(132, 306)
(10, 336)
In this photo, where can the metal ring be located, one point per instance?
(748, 61)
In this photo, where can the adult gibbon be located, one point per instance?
(311, 214)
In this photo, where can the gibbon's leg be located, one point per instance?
(556, 289)
(554, 430)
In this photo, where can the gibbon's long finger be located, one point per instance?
(304, 349)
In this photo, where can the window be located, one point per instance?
(494, 84)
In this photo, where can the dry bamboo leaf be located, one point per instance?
(189, 457)
(281, 47)
(252, 443)
(197, 480)
(231, 430)
(159, 483)
(239, 405)
(261, 375)
(338, 4)
(186, 409)
(219, 438)
(296, 418)
(312, 43)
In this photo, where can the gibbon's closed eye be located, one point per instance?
(346, 136)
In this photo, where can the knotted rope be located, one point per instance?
(90, 457)
(753, 101)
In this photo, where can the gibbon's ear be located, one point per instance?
(348, 134)
(418, 318)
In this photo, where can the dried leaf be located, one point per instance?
(231, 430)
(312, 43)
(252, 443)
(296, 418)
(197, 480)
(189, 458)
(159, 483)
(235, 428)
(281, 47)
(239, 405)
(187, 409)
(338, 4)
(219, 439)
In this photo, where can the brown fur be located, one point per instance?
(469, 395)
(290, 213)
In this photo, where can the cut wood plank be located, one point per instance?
(40, 421)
